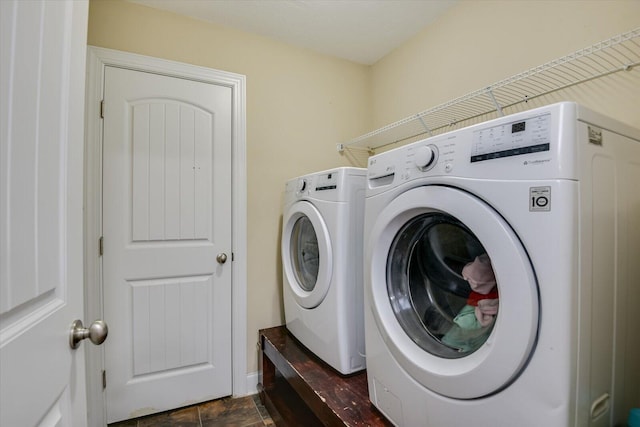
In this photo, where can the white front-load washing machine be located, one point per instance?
(501, 274)
(322, 265)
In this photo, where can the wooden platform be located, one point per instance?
(298, 389)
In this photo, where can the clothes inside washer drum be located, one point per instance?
(467, 340)
(480, 275)
(446, 248)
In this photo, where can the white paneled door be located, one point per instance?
(42, 74)
(167, 241)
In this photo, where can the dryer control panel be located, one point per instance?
(335, 185)
(326, 181)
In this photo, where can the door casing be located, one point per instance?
(97, 60)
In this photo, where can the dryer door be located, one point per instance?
(306, 254)
(453, 291)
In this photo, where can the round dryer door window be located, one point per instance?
(452, 291)
(306, 254)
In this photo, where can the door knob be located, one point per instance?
(97, 332)
(221, 258)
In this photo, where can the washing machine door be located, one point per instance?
(306, 254)
(453, 292)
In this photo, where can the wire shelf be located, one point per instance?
(619, 53)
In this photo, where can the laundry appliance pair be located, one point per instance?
(499, 272)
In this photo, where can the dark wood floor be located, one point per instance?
(228, 412)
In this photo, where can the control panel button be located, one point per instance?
(424, 157)
(302, 185)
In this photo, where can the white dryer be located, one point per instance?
(322, 265)
(501, 274)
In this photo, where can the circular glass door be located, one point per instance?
(306, 254)
(441, 285)
(452, 291)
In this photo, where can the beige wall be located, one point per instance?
(478, 43)
(299, 105)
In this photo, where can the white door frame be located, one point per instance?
(97, 60)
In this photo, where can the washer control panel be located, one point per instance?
(433, 156)
(529, 145)
(526, 136)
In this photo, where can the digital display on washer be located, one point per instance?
(512, 139)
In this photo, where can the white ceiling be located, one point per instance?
(362, 31)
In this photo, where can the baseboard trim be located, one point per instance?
(252, 382)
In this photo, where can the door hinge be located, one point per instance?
(100, 246)
(102, 109)
(104, 379)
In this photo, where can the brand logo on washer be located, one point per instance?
(539, 199)
(535, 162)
